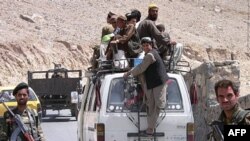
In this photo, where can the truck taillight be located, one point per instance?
(74, 97)
(190, 131)
(100, 131)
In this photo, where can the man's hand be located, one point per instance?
(114, 42)
(172, 42)
(126, 74)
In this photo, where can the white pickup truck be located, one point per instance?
(112, 110)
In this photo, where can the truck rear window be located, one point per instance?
(121, 101)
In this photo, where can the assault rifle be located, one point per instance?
(217, 131)
(21, 125)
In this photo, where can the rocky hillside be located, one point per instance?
(36, 33)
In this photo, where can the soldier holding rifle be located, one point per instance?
(22, 123)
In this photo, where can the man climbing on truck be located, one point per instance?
(155, 75)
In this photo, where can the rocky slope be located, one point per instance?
(36, 33)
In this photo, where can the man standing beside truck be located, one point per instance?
(22, 123)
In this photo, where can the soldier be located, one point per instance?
(227, 94)
(28, 116)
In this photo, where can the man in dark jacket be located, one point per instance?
(155, 85)
(147, 27)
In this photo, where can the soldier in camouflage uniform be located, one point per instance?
(227, 94)
(29, 116)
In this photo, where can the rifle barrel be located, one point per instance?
(8, 109)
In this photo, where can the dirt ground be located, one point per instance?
(36, 33)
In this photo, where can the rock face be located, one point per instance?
(35, 33)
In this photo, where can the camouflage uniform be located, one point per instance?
(30, 119)
(2, 134)
(240, 117)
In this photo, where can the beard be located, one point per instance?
(22, 102)
(153, 17)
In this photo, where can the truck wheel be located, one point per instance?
(74, 111)
(44, 112)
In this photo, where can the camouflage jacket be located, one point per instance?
(240, 117)
(30, 119)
